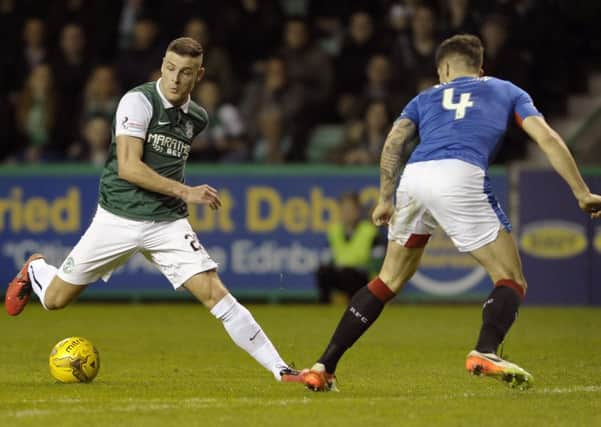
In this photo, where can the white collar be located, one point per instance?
(185, 106)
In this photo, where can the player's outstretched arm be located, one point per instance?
(132, 169)
(402, 131)
(562, 161)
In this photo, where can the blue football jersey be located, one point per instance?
(465, 118)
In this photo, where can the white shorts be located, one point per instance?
(451, 193)
(110, 240)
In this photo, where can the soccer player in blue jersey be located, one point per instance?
(459, 123)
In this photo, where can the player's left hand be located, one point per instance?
(204, 195)
(591, 204)
(382, 213)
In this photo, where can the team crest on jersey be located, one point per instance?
(69, 265)
(189, 129)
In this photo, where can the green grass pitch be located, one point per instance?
(172, 364)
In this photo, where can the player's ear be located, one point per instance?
(201, 73)
(481, 72)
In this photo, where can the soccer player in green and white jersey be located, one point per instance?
(143, 208)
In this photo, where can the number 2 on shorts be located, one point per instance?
(193, 242)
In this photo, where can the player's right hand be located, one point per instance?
(203, 195)
(382, 213)
(591, 204)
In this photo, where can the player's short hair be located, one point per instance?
(185, 46)
(466, 46)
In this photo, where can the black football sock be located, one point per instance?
(363, 310)
(498, 314)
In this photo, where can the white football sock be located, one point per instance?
(247, 334)
(41, 274)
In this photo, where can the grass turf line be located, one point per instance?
(174, 365)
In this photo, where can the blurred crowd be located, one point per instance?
(286, 80)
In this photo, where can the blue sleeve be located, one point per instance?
(522, 104)
(411, 111)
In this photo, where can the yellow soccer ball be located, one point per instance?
(74, 360)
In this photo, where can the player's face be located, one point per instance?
(179, 74)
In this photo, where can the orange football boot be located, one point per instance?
(19, 289)
(491, 365)
(317, 379)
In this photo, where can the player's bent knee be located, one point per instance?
(206, 287)
(396, 278)
(55, 302)
(400, 264)
(60, 294)
(52, 306)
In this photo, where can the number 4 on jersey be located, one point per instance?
(459, 107)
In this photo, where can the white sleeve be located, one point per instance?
(133, 115)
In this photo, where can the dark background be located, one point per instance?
(277, 71)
